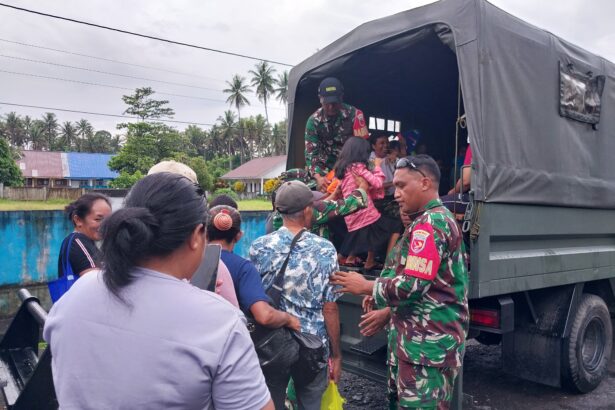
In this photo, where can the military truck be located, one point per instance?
(541, 223)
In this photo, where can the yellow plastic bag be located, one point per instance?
(331, 399)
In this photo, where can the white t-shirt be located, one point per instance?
(173, 346)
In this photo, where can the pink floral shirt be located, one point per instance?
(375, 179)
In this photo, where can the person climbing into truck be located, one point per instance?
(328, 128)
(428, 292)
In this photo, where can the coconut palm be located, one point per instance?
(50, 129)
(68, 134)
(37, 135)
(237, 96)
(13, 130)
(262, 79)
(228, 132)
(85, 131)
(282, 88)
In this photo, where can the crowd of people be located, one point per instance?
(133, 332)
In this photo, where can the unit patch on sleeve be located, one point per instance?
(423, 259)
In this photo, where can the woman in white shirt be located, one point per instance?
(137, 334)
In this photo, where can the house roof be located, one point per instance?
(42, 164)
(74, 165)
(83, 166)
(268, 167)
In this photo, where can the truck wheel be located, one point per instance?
(587, 351)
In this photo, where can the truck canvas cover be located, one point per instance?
(539, 109)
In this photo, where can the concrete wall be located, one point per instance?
(41, 194)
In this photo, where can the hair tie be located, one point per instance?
(223, 221)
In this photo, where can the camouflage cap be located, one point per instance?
(298, 174)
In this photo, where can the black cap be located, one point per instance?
(331, 90)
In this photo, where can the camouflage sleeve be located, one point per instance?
(277, 221)
(421, 269)
(330, 209)
(313, 162)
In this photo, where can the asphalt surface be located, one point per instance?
(486, 387)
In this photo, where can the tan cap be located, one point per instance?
(174, 167)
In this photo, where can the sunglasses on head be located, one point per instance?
(406, 163)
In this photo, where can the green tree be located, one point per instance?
(228, 131)
(126, 179)
(141, 105)
(237, 96)
(281, 91)
(147, 144)
(198, 139)
(14, 130)
(68, 137)
(10, 175)
(100, 141)
(262, 79)
(37, 135)
(85, 131)
(50, 130)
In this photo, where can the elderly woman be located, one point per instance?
(137, 334)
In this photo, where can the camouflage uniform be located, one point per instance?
(324, 137)
(429, 305)
(324, 211)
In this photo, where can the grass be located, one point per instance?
(53, 204)
(254, 205)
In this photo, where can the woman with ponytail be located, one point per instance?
(137, 334)
(224, 229)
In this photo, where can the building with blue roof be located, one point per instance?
(66, 169)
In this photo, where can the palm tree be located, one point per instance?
(85, 131)
(27, 128)
(263, 79)
(50, 129)
(69, 135)
(281, 93)
(13, 129)
(238, 90)
(37, 135)
(228, 129)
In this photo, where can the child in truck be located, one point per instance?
(368, 230)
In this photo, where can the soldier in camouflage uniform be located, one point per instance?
(427, 295)
(325, 210)
(328, 129)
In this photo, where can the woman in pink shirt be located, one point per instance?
(367, 230)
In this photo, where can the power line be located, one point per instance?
(110, 115)
(110, 60)
(106, 72)
(115, 87)
(142, 35)
(105, 85)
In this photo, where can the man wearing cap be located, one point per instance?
(328, 129)
(306, 293)
(426, 288)
(325, 208)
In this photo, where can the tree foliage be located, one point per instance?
(141, 105)
(10, 175)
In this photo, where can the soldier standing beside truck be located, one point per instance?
(427, 295)
(328, 129)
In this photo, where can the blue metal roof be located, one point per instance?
(89, 166)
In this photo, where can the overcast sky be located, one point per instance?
(282, 30)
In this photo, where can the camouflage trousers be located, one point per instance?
(421, 387)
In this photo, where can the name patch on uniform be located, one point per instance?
(329, 89)
(359, 128)
(423, 259)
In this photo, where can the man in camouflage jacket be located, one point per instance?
(427, 295)
(325, 209)
(328, 129)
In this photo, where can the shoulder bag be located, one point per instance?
(60, 286)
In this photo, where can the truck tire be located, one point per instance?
(587, 351)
